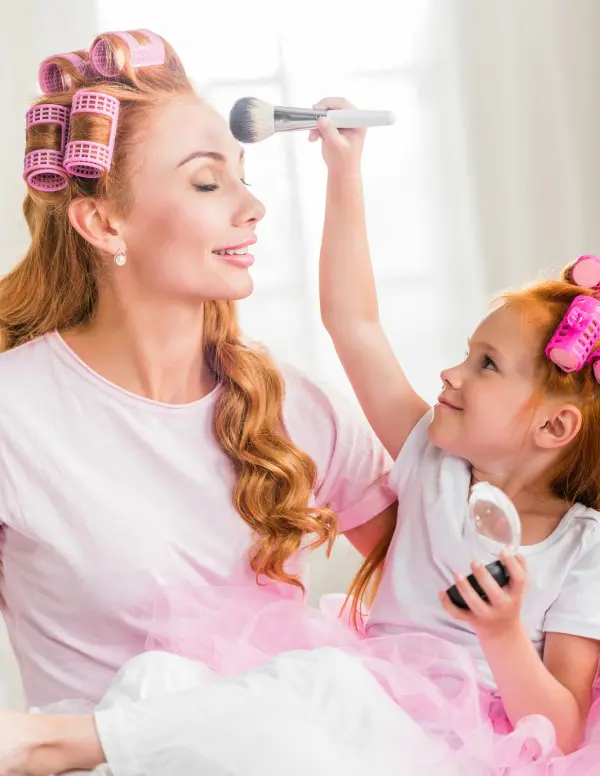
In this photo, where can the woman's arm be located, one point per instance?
(366, 537)
(349, 307)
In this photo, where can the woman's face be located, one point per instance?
(190, 227)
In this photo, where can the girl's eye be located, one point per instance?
(487, 363)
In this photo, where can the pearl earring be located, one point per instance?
(120, 258)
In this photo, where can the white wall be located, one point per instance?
(29, 31)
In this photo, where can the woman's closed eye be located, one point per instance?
(206, 186)
(214, 186)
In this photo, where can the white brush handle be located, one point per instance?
(354, 119)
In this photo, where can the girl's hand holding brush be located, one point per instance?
(342, 148)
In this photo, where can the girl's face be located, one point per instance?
(488, 412)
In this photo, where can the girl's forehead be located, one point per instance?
(507, 331)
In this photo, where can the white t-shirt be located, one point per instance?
(429, 545)
(106, 496)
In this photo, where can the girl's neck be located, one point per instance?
(539, 509)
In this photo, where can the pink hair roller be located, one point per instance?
(151, 53)
(43, 169)
(577, 335)
(50, 75)
(586, 272)
(595, 364)
(83, 158)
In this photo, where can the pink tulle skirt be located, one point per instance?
(233, 629)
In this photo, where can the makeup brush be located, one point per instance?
(252, 120)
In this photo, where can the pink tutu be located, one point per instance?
(233, 629)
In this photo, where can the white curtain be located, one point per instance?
(527, 78)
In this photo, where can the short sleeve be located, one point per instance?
(413, 454)
(576, 611)
(352, 464)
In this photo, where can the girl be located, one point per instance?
(507, 415)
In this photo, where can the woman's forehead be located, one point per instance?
(183, 126)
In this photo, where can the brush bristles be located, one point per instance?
(252, 120)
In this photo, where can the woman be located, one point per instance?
(143, 442)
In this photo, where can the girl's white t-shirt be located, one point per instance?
(106, 497)
(430, 544)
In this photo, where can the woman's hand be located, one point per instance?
(342, 148)
(502, 611)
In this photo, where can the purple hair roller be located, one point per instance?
(142, 55)
(43, 169)
(51, 77)
(86, 159)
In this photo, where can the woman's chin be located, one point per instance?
(238, 290)
(230, 289)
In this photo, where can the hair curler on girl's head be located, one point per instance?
(576, 336)
(572, 346)
(585, 272)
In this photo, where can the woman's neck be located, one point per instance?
(155, 350)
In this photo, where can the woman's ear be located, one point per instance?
(92, 220)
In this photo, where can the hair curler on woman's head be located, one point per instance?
(47, 130)
(65, 72)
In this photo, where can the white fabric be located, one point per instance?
(106, 497)
(315, 713)
(430, 544)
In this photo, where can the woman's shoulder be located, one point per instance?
(313, 401)
(318, 416)
(23, 370)
(25, 358)
(299, 382)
